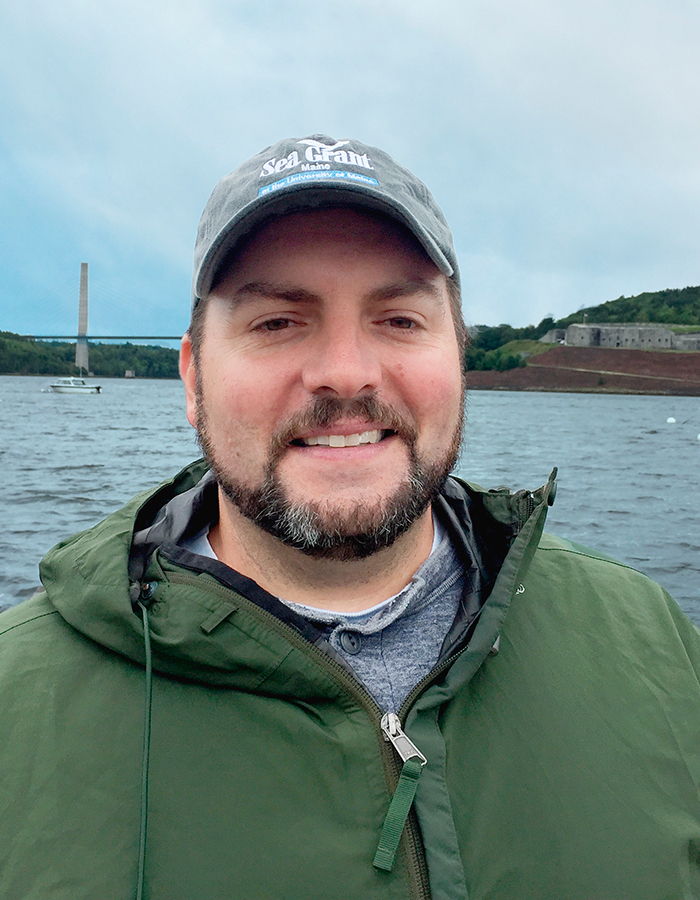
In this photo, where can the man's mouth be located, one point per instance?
(344, 440)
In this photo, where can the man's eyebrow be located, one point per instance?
(404, 288)
(407, 288)
(254, 289)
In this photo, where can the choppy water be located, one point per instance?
(628, 481)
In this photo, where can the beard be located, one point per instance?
(320, 529)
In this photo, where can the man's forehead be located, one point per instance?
(316, 229)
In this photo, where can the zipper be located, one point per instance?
(402, 801)
(419, 884)
(397, 737)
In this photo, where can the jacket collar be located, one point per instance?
(88, 579)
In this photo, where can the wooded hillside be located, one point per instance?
(23, 356)
(674, 306)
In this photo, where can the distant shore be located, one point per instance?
(600, 371)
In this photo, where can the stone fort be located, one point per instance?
(631, 336)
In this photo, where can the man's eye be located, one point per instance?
(274, 324)
(402, 322)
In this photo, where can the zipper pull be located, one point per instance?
(400, 806)
(395, 735)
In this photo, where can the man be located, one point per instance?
(315, 666)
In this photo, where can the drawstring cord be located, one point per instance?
(145, 756)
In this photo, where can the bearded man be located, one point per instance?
(314, 664)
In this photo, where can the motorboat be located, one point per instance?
(74, 386)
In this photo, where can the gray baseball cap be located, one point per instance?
(310, 173)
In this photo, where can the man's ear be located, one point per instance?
(188, 373)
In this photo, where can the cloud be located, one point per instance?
(561, 139)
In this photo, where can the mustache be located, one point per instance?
(325, 411)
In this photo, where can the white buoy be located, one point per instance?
(670, 421)
(699, 437)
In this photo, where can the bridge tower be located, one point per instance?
(81, 344)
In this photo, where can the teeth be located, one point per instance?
(344, 440)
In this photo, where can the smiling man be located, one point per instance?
(325, 384)
(314, 665)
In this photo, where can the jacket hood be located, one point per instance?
(212, 625)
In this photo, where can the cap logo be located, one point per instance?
(317, 156)
(320, 146)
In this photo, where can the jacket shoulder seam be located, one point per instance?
(589, 555)
(53, 612)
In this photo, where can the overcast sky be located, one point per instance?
(561, 139)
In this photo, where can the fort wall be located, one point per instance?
(629, 336)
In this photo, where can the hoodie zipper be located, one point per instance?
(402, 801)
(415, 856)
(397, 737)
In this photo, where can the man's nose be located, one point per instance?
(343, 362)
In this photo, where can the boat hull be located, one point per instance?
(87, 389)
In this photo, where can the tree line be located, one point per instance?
(24, 356)
(673, 306)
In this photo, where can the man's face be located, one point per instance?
(328, 391)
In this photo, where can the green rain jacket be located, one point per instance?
(562, 763)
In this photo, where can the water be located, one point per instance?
(628, 481)
(67, 461)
